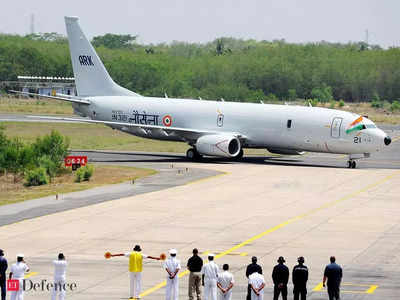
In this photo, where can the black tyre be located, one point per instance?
(191, 154)
(239, 156)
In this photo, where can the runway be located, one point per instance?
(265, 210)
(264, 206)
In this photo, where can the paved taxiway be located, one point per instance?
(309, 206)
(255, 209)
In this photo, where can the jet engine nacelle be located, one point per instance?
(218, 145)
(285, 151)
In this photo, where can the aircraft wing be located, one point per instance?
(62, 98)
(186, 134)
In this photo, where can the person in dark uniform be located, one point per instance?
(3, 269)
(299, 278)
(280, 277)
(194, 264)
(251, 268)
(333, 273)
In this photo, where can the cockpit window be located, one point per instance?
(370, 126)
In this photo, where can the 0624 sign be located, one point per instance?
(75, 161)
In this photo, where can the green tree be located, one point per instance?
(114, 41)
(49, 165)
(35, 177)
(53, 146)
(395, 106)
(3, 145)
(323, 93)
(292, 94)
(219, 48)
(11, 158)
(84, 173)
(376, 101)
(191, 70)
(48, 36)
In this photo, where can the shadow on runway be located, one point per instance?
(132, 157)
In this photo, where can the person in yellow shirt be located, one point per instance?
(135, 270)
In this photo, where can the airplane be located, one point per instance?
(212, 128)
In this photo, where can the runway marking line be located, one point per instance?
(370, 288)
(279, 226)
(232, 253)
(30, 274)
(396, 139)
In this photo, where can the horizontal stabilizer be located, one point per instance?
(72, 99)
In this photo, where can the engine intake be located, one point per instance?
(218, 145)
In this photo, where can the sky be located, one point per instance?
(156, 21)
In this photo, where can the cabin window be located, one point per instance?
(289, 124)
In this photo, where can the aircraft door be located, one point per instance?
(335, 127)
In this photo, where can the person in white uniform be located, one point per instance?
(172, 265)
(257, 284)
(225, 283)
(17, 272)
(209, 278)
(60, 270)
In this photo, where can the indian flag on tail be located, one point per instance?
(356, 125)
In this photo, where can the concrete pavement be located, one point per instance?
(262, 210)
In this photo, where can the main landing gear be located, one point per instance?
(351, 164)
(192, 154)
(239, 156)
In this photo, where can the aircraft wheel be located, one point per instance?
(349, 164)
(191, 154)
(239, 156)
(353, 164)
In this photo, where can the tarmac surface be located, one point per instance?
(264, 206)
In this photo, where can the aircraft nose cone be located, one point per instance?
(387, 140)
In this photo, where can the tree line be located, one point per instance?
(233, 69)
(38, 162)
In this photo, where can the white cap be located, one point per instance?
(20, 255)
(172, 251)
(210, 255)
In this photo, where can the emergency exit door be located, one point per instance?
(335, 128)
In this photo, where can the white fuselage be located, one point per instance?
(263, 125)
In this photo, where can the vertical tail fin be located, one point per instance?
(91, 77)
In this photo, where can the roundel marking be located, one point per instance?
(167, 120)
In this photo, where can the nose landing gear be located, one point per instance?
(351, 164)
